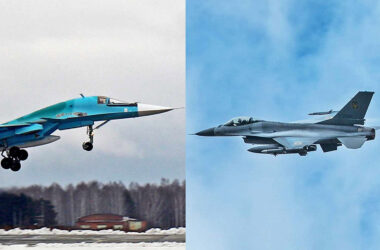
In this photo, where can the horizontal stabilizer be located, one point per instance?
(353, 142)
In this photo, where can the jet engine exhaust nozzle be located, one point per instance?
(372, 136)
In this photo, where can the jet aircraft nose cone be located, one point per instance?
(207, 132)
(147, 109)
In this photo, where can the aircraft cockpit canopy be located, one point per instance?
(239, 121)
(114, 102)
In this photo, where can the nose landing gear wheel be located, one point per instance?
(87, 146)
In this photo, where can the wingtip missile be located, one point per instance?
(322, 113)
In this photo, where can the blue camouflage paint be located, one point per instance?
(73, 113)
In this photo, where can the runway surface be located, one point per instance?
(98, 238)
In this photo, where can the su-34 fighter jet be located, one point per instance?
(330, 130)
(36, 129)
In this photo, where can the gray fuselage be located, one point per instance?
(266, 135)
(268, 129)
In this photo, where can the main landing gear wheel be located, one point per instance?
(13, 158)
(17, 153)
(16, 165)
(6, 163)
(14, 151)
(22, 155)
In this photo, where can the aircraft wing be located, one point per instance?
(316, 118)
(22, 128)
(300, 142)
(14, 125)
(295, 142)
(6, 127)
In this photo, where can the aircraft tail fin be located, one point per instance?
(354, 111)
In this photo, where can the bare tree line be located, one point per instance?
(160, 205)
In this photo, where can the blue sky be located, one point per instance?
(280, 60)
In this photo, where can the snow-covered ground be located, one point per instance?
(17, 231)
(100, 246)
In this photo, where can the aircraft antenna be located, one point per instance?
(81, 95)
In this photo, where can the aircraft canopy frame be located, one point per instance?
(240, 121)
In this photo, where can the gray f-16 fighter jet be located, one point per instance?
(330, 130)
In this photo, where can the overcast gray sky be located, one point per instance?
(50, 51)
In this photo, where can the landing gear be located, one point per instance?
(6, 163)
(88, 146)
(16, 165)
(13, 152)
(13, 158)
(23, 155)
